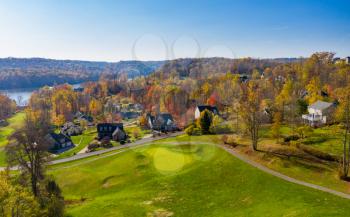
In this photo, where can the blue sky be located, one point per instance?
(166, 29)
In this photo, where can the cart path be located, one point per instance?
(282, 176)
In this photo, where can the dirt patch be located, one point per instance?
(160, 213)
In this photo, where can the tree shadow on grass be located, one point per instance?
(306, 161)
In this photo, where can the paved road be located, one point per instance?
(96, 153)
(280, 175)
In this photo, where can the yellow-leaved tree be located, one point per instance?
(250, 110)
(16, 200)
(314, 90)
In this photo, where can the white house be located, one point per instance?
(347, 60)
(201, 108)
(319, 113)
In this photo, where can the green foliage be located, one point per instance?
(301, 106)
(304, 131)
(193, 130)
(204, 121)
(189, 130)
(52, 199)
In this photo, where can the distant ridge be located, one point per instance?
(37, 72)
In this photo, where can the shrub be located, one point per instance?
(229, 140)
(291, 138)
(221, 129)
(196, 132)
(314, 140)
(189, 130)
(93, 145)
(136, 133)
(107, 145)
(224, 138)
(304, 131)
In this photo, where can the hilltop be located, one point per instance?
(37, 72)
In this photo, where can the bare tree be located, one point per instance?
(28, 150)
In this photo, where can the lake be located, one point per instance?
(21, 96)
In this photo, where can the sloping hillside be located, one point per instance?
(180, 179)
(36, 72)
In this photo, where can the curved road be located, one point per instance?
(129, 145)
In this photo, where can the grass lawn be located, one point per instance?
(14, 123)
(166, 179)
(299, 164)
(131, 129)
(80, 141)
(327, 139)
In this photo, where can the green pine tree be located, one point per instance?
(204, 121)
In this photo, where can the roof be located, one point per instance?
(320, 105)
(118, 130)
(58, 137)
(112, 125)
(208, 107)
(161, 119)
(166, 117)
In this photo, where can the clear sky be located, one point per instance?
(166, 29)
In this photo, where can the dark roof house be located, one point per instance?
(81, 116)
(201, 108)
(70, 129)
(130, 115)
(58, 142)
(162, 122)
(114, 131)
(347, 60)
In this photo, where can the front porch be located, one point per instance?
(314, 120)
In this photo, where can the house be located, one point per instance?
(78, 89)
(337, 60)
(319, 113)
(112, 131)
(70, 129)
(58, 142)
(112, 107)
(243, 78)
(150, 119)
(347, 60)
(201, 108)
(130, 115)
(163, 122)
(80, 116)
